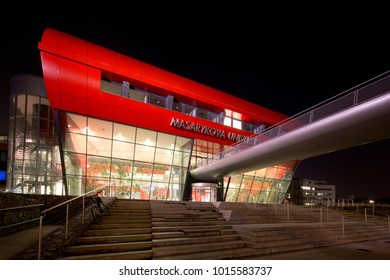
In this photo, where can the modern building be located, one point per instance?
(311, 192)
(102, 119)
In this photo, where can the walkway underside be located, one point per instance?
(365, 123)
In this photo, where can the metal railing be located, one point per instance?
(43, 214)
(334, 212)
(373, 213)
(18, 208)
(357, 95)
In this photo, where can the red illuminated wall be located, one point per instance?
(72, 70)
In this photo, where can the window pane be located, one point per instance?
(146, 137)
(138, 95)
(124, 133)
(75, 164)
(204, 114)
(99, 128)
(144, 153)
(237, 124)
(165, 141)
(183, 144)
(99, 146)
(181, 159)
(157, 100)
(140, 189)
(122, 150)
(98, 166)
(75, 143)
(75, 123)
(21, 105)
(163, 156)
(32, 105)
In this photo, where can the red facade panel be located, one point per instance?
(72, 71)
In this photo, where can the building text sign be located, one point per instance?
(207, 130)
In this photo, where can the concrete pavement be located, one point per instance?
(13, 244)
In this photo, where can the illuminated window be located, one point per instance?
(237, 124)
(227, 121)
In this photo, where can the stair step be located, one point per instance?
(193, 240)
(111, 247)
(170, 234)
(120, 226)
(195, 248)
(127, 231)
(126, 220)
(112, 238)
(126, 255)
(227, 254)
(191, 228)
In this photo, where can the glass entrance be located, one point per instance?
(204, 192)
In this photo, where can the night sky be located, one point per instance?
(284, 60)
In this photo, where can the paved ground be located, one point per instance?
(14, 243)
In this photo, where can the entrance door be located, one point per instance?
(204, 192)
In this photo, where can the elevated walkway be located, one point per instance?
(356, 117)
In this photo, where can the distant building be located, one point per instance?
(307, 192)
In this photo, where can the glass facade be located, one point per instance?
(267, 185)
(33, 155)
(132, 162)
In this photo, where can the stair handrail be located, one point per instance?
(374, 212)
(20, 207)
(16, 208)
(67, 202)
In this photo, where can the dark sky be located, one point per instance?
(282, 59)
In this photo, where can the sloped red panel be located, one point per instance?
(73, 71)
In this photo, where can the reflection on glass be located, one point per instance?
(146, 137)
(124, 133)
(99, 128)
(163, 156)
(75, 143)
(74, 123)
(122, 150)
(144, 153)
(165, 141)
(134, 170)
(99, 146)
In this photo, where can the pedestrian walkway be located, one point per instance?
(13, 244)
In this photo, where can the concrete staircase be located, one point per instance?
(194, 230)
(174, 230)
(274, 229)
(125, 234)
